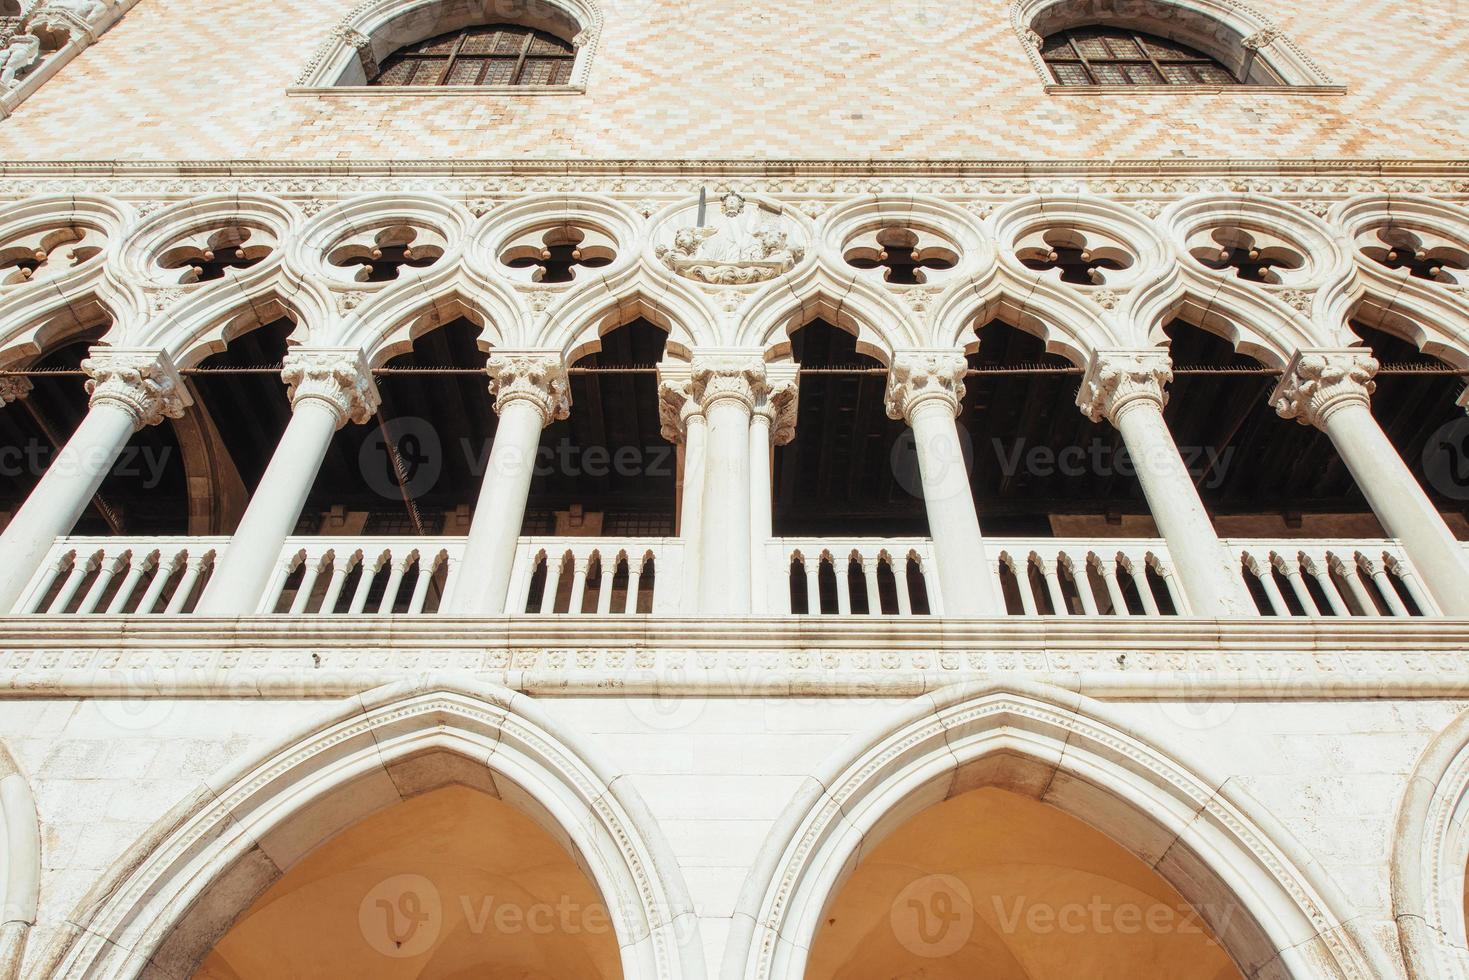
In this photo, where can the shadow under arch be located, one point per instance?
(1430, 854)
(164, 903)
(1272, 910)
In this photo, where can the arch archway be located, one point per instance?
(168, 901)
(20, 864)
(1430, 887)
(1245, 877)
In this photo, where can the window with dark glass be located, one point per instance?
(1118, 56)
(496, 54)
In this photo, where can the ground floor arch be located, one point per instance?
(1272, 912)
(450, 751)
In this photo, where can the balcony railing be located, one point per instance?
(319, 576)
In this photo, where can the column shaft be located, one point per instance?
(761, 515)
(1212, 584)
(489, 556)
(953, 523)
(1401, 506)
(275, 508)
(724, 540)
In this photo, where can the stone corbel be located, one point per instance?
(14, 389)
(676, 404)
(1321, 381)
(781, 402)
(143, 383)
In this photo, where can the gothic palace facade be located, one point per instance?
(879, 490)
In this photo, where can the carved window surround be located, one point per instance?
(1230, 31)
(375, 29)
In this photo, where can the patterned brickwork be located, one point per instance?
(765, 79)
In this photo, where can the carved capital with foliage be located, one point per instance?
(143, 383)
(1319, 383)
(338, 378)
(919, 377)
(1118, 380)
(538, 379)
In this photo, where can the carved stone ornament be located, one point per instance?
(537, 379)
(339, 378)
(781, 405)
(740, 243)
(916, 378)
(13, 389)
(79, 18)
(144, 383)
(1117, 380)
(19, 53)
(675, 408)
(728, 377)
(1318, 383)
(1261, 40)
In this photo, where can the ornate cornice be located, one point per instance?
(917, 377)
(1318, 383)
(338, 378)
(143, 383)
(1117, 380)
(538, 379)
(728, 377)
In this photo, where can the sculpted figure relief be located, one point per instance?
(743, 244)
(18, 56)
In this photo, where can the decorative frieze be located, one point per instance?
(143, 383)
(340, 379)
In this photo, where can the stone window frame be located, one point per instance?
(374, 29)
(1229, 31)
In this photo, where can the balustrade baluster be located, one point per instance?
(185, 591)
(812, 568)
(79, 572)
(137, 568)
(1107, 569)
(310, 572)
(364, 585)
(161, 574)
(874, 594)
(397, 569)
(1382, 579)
(1048, 571)
(341, 569)
(426, 569)
(38, 596)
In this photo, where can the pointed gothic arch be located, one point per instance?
(20, 864)
(165, 903)
(1266, 902)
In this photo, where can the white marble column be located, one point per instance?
(727, 386)
(683, 424)
(328, 388)
(926, 389)
(531, 391)
(1127, 388)
(1332, 390)
(129, 389)
(773, 424)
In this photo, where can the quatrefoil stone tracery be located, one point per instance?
(905, 256)
(556, 255)
(1422, 254)
(42, 255)
(382, 255)
(1077, 257)
(1254, 256)
(209, 255)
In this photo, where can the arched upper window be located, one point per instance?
(494, 54)
(1119, 56)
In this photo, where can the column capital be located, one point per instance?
(337, 377)
(731, 376)
(537, 378)
(1119, 379)
(1321, 381)
(143, 383)
(14, 389)
(781, 402)
(676, 404)
(917, 377)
